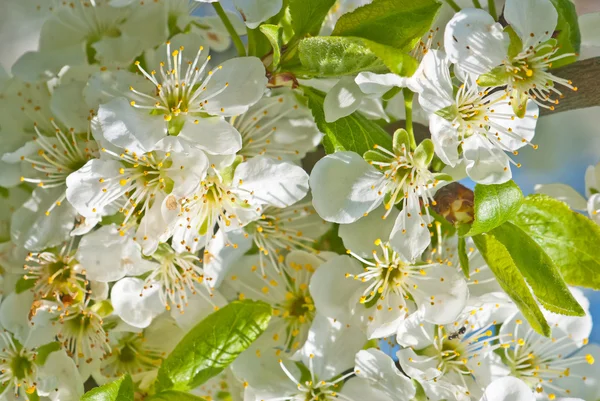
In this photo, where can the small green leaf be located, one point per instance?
(375, 156)
(539, 271)
(463, 257)
(569, 238)
(494, 205)
(420, 391)
(396, 60)
(516, 44)
(44, 351)
(24, 284)
(519, 102)
(424, 153)
(401, 140)
(496, 77)
(448, 113)
(118, 390)
(175, 396)
(395, 23)
(510, 279)
(213, 344)
(354, 133)
(567, 32)
(273, 34)
(308, 15)
(330, 56)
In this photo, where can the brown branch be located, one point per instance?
(585, 74)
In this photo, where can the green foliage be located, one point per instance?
(44, 351)
(569, 238)
(538, 270)
(331, 56)
(308, 15)
(24, 284)
(494, 205)
(354, 133)
(510, 279)
(568, 33)
(395, 23)
(212, 345)
(273, 34)
(397, 61)
(175, 396)
(118, 390)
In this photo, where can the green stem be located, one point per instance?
(408, 106)
(477, 4)
(237, 41)
(453, 4)
(251, 42)
(492, 9)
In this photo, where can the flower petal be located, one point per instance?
(508, 389)
(533, 20)
(257, 11)
(134, 304)
(222, 252)
(563, 193)
(485, 163)
(379, 369)
(378, 84)
(445, 139)
(271, 182)
(342, 100)
(342, 187)
(410, 235)
(360, 236)
(475, 41)
(212, 134)
(432, 82)
(235, 86)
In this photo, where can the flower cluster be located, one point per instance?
(150, 178)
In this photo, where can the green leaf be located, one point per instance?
(424, 153)
(354, 133)
(463, 257)
(494, 204)
(448, 113)
(330, 56)
(496, 77)
(569, 238)
(539, 270)
(273, 34)
(397, 61)
(175, 396)
(395, 23)
(400, 140)
(567, 32)
(308, 15)
(118, 390)
(213, 344)
(502, 265)
(44, 351)
(24, 284)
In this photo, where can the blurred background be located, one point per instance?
(568, 142)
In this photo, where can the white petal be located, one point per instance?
(257, 11)
(342, 190)
(235, 87)
(385, 318)
(189, 166)
(508, 389)
(475, 41)
(14, 311)
(342, 100)
(104, 86)
(420, 367)
(593, 208)
(360, 389)
(592, 179)
(520, 128)
(32, 229)
(333, 345)
(221, 254)
(130, 128)
(379, 368)
(213, 135)
(410, 235)
(134, 309)
(588, 389)
(564, 193)
(450, 290)
(85, 190)
(378, 84)
(59, 378)
(336, 295)
(432, 82)
(157, 224)
(197, 308)
(273, 182)
(67, 107)
(108, 256)
(578, 328)
(360, 236)
(533, 20)
(589, 25)
(485, 163)
(414, 331)
(445, 139)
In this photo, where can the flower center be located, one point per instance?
(55, 275)
(83, 335)
(131, 355)
(17, 366)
